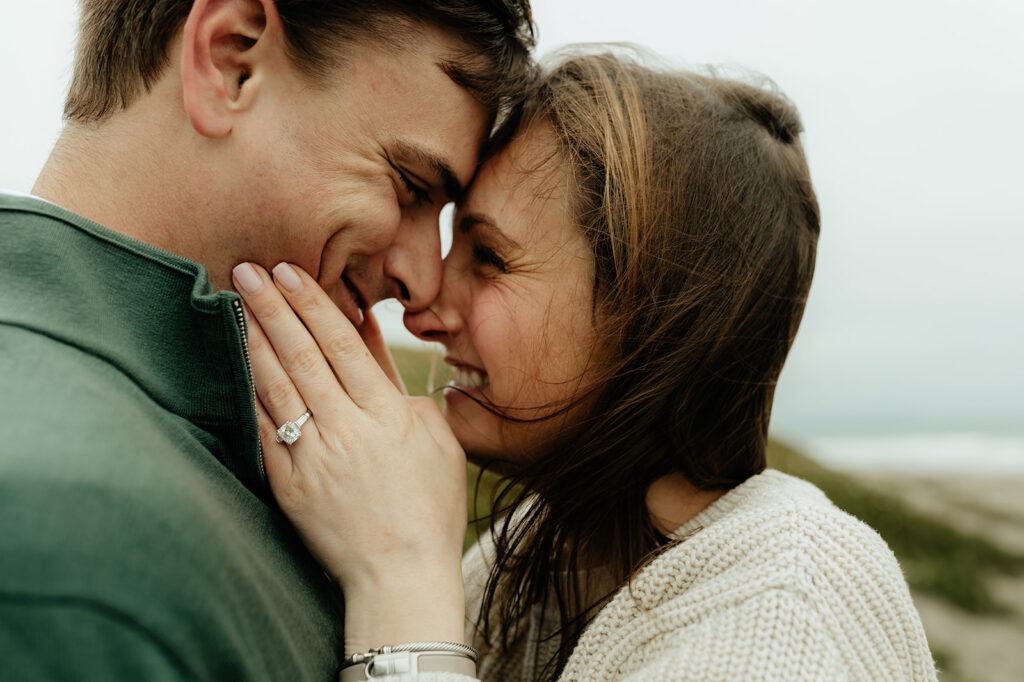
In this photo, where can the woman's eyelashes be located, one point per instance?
(485, 255)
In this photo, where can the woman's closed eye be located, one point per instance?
(485, 255)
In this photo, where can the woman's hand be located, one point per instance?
(376, 482)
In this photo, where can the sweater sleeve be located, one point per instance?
(46, 639)
(775, 635)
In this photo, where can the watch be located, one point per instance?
(405, 659)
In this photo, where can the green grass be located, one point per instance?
(416, 366)
(936, 557)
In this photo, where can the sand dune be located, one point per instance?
(980, 648)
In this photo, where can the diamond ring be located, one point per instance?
(289, 432)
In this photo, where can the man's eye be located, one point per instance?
(485, 255)
(421, 195)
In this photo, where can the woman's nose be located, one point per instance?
(427, 325)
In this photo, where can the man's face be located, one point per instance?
(347, 181)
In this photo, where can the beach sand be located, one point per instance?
(979, 648)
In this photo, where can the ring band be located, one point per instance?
(289, 432)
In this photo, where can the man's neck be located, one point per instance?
(127, 174)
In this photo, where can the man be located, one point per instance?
(137, 536)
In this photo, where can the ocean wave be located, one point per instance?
(967, 453)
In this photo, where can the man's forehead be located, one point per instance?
(431, 119)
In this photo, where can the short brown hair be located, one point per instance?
(122, 48)
(694, 193)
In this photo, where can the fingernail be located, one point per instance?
(287, 277)
(248, 278)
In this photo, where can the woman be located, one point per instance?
(625, 281)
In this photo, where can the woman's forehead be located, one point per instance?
(522, 190)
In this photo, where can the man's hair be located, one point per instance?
(123, 44)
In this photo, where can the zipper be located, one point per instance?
(236, 305)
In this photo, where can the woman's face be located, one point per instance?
(515, 312)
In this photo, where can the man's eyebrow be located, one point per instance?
(453, 189)
(483, 223)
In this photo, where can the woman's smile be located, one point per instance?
(515, 312)
(468, 378)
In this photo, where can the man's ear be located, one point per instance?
(223, 43)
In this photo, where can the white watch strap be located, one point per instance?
(406, 663)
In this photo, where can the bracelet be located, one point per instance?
(416, 657)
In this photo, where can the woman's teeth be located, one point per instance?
(465, 377)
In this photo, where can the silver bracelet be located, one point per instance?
(412, 658)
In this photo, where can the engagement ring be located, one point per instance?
(289, 432)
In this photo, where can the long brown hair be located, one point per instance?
(694, 193)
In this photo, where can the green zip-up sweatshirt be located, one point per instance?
(138, 537)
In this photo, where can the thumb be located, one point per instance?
(437, 426)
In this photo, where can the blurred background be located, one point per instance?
(902, 396)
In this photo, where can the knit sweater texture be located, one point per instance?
(772, 582)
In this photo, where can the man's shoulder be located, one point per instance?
(88, 457)
(136, 538)
(68, 413)
(92, 467)
(113, 504)
(192, 563)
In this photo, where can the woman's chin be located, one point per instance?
(481, 433)
(480, 449)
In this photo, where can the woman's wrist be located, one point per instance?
(404, 609)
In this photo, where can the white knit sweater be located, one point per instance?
(773, 583)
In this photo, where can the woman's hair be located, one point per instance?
(695, 196)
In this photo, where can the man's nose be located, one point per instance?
(443, 320)
(439, 322)
(413, 262)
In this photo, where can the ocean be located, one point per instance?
(921, 453)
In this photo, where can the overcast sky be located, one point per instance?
(914, 113)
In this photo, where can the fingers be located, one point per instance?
(355, 366)
(370, 332)
(277, 459)
(277, 395)
(291, 369)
